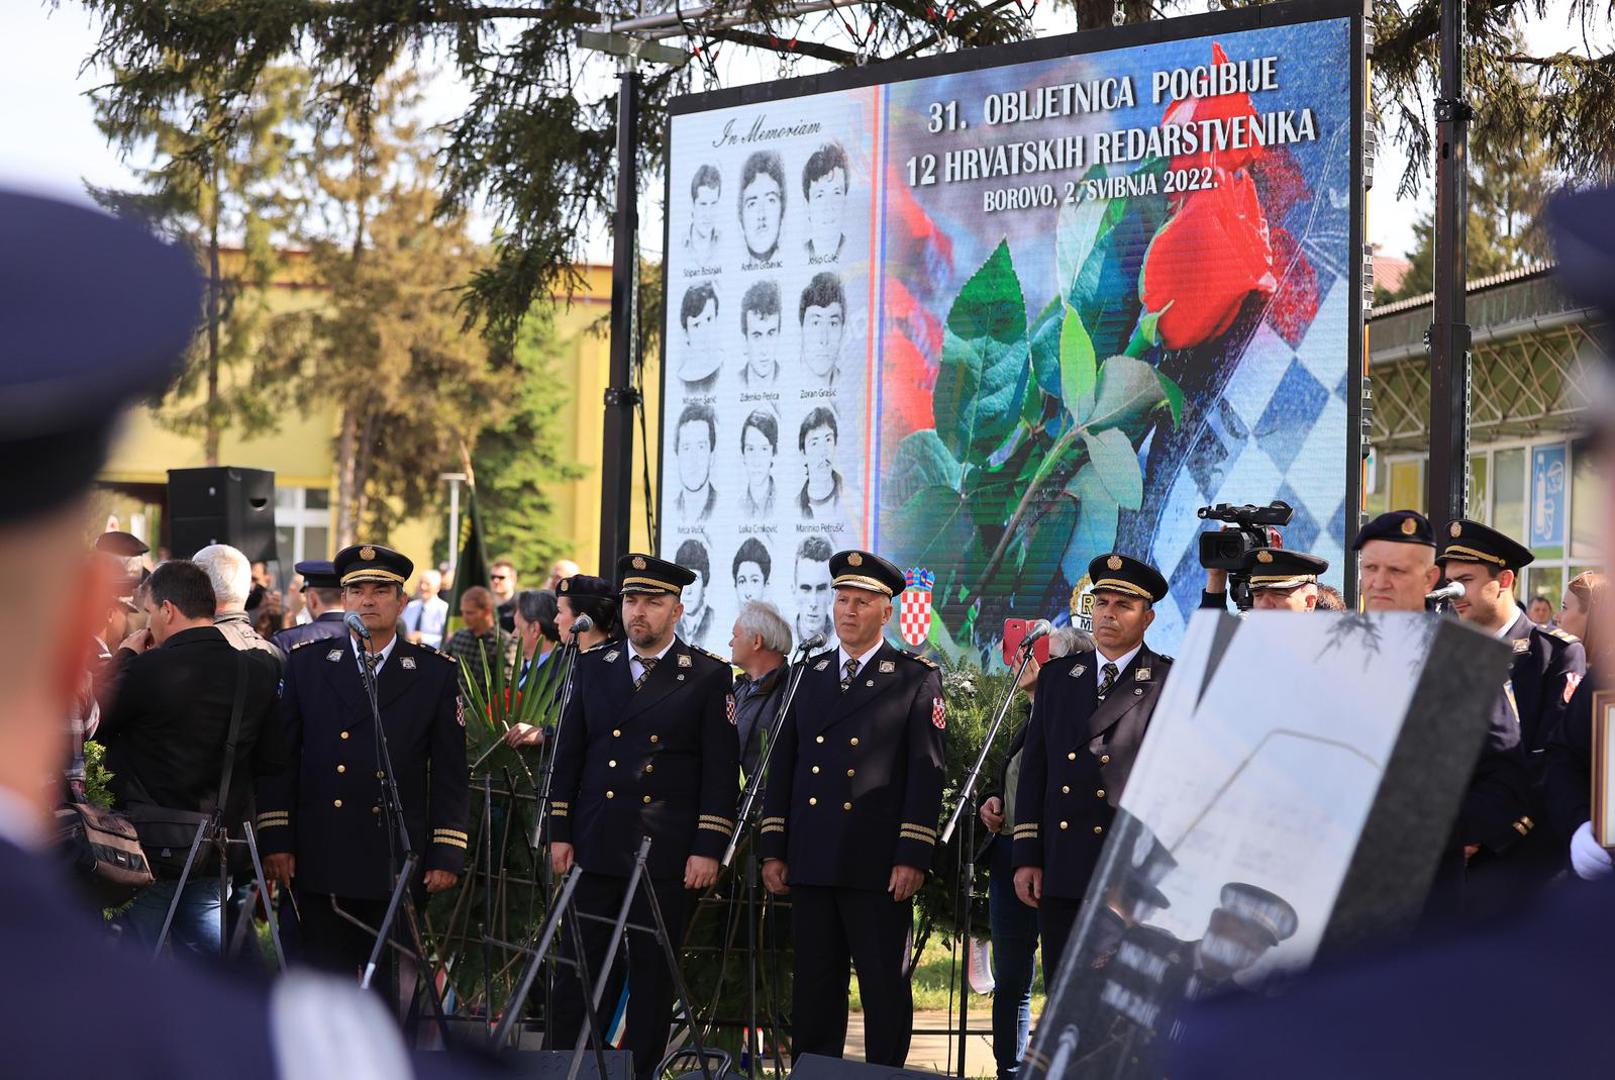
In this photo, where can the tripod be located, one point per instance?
(214, 832)
(748, 823)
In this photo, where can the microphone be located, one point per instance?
(815, 642)
(581, 625)
(1036, 633)
(356, 625)
(1452, 590)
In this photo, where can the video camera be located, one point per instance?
(1230, 549)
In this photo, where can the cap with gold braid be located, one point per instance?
(866, 570)
(1278, 568)
(1397, 527)
(1470, 541)
(1116, 572)
(638, 573)
(371, 562)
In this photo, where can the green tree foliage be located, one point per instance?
(388, 346)
(517, 458)
(216, 180)
(1510, 177)
(535, 141)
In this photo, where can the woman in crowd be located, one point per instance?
(575, 596)
(1567, 781)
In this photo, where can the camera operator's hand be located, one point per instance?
(439, 880)
(1216, 581)
(139, 641)
(281, 868)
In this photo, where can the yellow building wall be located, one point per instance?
(301, 452)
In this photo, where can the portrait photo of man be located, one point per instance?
(820, 496)
(696, 621)
(697, 431)
(822, 313)
(812, 584)
(752, 567)
(701, 242)
(762, 204)
(824, 186)
(703, 352)
(759, 445)
(759, 330)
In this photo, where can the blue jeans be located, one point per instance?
(1014, 931)
(196, 921)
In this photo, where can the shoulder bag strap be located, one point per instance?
(235, 731)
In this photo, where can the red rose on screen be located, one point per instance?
(1207, 258)
(1221, 108)
(1295, 304)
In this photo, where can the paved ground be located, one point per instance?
(932, 1051)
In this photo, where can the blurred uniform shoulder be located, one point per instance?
(918, 658)
(712, 656)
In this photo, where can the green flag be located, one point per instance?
(472, 568)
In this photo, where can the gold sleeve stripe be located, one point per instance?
(918, 828)
(451, 832)
(717, 820)
(906, 835)
(560, 813)
(725, 829)
(773, 820)
(448, 841)
(558, 802)
(773, 828)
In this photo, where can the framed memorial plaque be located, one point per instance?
(1603, 805)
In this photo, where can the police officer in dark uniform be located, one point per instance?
(849, 830)
(647, 748)
(322, 592)
(66, 379)
(321, 823)
(1512, 853)
(1088, 719)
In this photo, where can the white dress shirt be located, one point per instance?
(381, 657)
(1121, 661)
(636, 663)
(842, 656)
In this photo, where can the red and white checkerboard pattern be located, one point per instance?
(914, 616)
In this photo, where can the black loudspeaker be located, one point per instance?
(818, 1067)
(222, 505)
(553, 1064)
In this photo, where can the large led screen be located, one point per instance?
(993, 314)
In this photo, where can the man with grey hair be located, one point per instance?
(758, 647)
(231, 573)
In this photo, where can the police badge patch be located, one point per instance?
(939, 719)
(611, 657)
(684, 660)
(888, 666)
(334, 655)
(407, 663)
(822, 664)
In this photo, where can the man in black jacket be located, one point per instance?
(167, 730)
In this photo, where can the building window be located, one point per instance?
(1585, 507)
(1479, 506)
(1508, 492)
(302, 525)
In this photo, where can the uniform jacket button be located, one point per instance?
(611, 764)
(649, 769)
(1098, 830)
(380, 775)
(1104, 759)
(611, 794)
(1072, 756)
(1065, 789)
(846, 806)
(1065, 824)
(851, 772)
(376, 810)
(853, 741)
(1100, 794)
(344, 734)
(646, 800)
(655, 738)
(815, 770)
(818, 738)
(813, 800)
(341, 768)
(616, 733)
(337, 803)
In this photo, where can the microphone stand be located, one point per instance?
(569, 656)
(969, 786)
(748, 806)
(398, 841)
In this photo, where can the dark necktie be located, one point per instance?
(646, 663)
(1109, 682)
(849, 672)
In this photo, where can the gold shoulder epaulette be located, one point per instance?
(1563, 635)
(310, 641)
